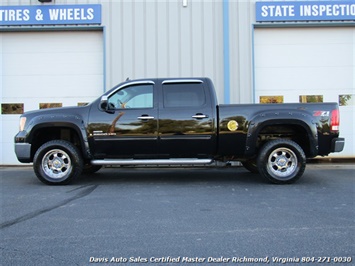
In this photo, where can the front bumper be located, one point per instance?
(23, 152)
(338, 144)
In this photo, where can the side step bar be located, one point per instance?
(176, 161)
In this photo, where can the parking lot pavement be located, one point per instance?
(172, 216)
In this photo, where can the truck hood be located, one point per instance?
(64, 110)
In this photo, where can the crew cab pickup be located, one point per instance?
(176, 122)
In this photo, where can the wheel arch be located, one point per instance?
(298, 127)
(50, 128)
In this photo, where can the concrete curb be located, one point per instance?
(331, 160)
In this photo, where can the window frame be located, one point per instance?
(130, 85)
(183, 83)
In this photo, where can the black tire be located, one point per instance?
(91, 169)
(57, 162)
(281, 161)
(251, 166)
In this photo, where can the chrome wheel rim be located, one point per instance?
(56, 164)
(282, 163)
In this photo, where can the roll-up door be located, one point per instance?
(308, 64)
(44, 69)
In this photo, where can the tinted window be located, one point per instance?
(184, 95)
(138, 96)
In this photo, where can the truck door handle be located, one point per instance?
(145, 117)
(199, 116)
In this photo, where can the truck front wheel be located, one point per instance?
(281, 161)
(57, 162)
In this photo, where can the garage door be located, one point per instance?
(308, 65)
(44, 69)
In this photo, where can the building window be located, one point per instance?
(49, 105)
(271, 99)
(12, 108)
(311, 98)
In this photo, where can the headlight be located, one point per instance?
(22, 123)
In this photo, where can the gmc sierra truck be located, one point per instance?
(176, 122)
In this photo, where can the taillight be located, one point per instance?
(335, 120)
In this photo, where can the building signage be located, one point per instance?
(305, 11)
(50, 15)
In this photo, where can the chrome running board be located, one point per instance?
(174, 161)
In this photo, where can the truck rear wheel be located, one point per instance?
(281, 161)
(57, 162)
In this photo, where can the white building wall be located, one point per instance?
(165, 39)
(162, 38)
(242, 17)
(291, 62)
(63, 67)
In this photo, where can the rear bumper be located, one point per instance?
(23, 152)
(338, 144)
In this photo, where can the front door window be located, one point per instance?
(132, 97)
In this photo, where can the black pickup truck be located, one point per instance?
(175, 122)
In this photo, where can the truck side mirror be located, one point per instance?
(104, 105)
(103, 102)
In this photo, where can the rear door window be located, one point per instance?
(184, 95)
